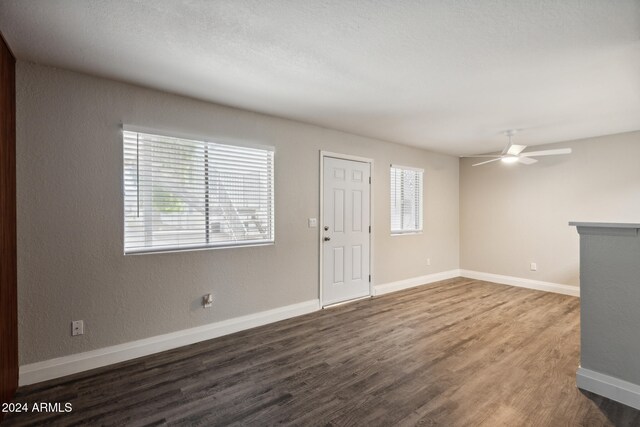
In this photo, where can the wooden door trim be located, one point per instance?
(8, 257)
(4, 41)
(323, 155)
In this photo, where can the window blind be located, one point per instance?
(186, 194)
(406, 199)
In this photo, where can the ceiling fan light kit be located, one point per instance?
(509, 159)
(513, 153)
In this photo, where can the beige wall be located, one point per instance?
(511, 215)
(70, 216)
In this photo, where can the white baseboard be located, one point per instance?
(74, 363)
(522, 283)
(609, 387)
(414, 281)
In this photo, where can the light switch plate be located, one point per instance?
(313, 222)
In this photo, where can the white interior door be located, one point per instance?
(345, 230)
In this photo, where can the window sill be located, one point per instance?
(196, 248)
(408, 233)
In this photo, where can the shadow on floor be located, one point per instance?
(619, 414)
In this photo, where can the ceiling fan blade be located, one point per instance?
(514, 150)
(547, 152)
(483, 155)
(526, 160)
(488, 161)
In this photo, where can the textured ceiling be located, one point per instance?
(444, 75)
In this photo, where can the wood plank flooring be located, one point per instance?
(457, 353)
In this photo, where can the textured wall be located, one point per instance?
(70, 262)
(511, 215)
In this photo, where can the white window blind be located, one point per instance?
(406, 199)
(186, 194)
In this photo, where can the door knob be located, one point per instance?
(326, 239)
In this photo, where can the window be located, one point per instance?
(185, 194)
(406, 199)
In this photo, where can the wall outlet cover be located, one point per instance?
(77, 327)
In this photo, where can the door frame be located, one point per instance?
(9, 366)
(323, 155)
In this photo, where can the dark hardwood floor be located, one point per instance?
(457, 353)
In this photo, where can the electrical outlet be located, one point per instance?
(207, 301)
(77, 327)
(428, 261)
(534, 266)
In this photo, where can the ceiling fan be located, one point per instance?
(513, 153)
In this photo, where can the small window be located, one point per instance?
(184, 194)
(406, 199)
